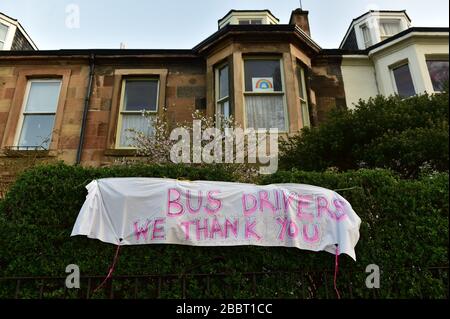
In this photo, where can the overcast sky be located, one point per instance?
(181, 24)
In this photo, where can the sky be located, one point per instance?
(177, 24)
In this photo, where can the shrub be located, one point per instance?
(398, 134)
(404, 230)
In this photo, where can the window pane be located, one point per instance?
(265, 112)
(36, 130)
(43, 97)
(366, 35)
(403, 80)
(3, 31)
(141, 95)
(389, 28)
(224, 109)
(223, 82)
(258, 21)
(261, 74)
(244, 21)
(305, 115)
(137, 122)
(301, 83)
(438, 73)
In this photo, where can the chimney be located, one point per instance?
(300, 18)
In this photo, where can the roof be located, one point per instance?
(104, 52)
(386, 41)
(369, 12)
(249, 11)
(259, 30)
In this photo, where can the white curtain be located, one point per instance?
(265, 112)
(389, 28)
(136, 122)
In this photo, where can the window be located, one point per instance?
(438, 70)
(250, 21)
(3, 32)
(366, 36)
(388, 28)
(138, 95)
(403, 81)
(41, 100)
(222, 94)
(264, 94)
(303, 95)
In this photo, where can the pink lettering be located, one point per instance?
(250, 231)
(265, 202)
(174, 208)
(248, 211)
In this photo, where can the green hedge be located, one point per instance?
(404, 230)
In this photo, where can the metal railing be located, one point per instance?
(293, 284)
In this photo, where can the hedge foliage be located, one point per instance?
(404, 230)
(403, 135)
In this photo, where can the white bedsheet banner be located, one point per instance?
(134, 211)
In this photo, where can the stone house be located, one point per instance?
(76, 105)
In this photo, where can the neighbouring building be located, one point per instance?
(382, 54)
(76, 105)
(13, 36)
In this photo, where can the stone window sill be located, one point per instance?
(27, 154)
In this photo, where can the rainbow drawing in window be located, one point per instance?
(262, 84)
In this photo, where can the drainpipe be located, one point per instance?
(86, 106)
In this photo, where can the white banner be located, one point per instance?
(135, 211)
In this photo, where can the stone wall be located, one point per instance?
(328, 86)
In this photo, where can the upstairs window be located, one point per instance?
(303, 95)
(403, 81)
(138, 95)
(366, 36)
(38, 116)
(3, 32)
(250, 21)
(388, 28)
(223, 110)
(265, 105)
(438, 70)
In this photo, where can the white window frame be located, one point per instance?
(218, 99)
(304, 100)
(394, 82)
(122, 105)
(24, 105)
(278, 93)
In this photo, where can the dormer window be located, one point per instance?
(3, 32)
(366, 35)
(388, 28)
(248, 17)
(250, 21)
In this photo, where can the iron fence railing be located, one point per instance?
(295, 284)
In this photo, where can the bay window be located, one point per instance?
(38, 114)
(139, 95)
(265, 105)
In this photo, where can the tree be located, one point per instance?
(404, 135)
